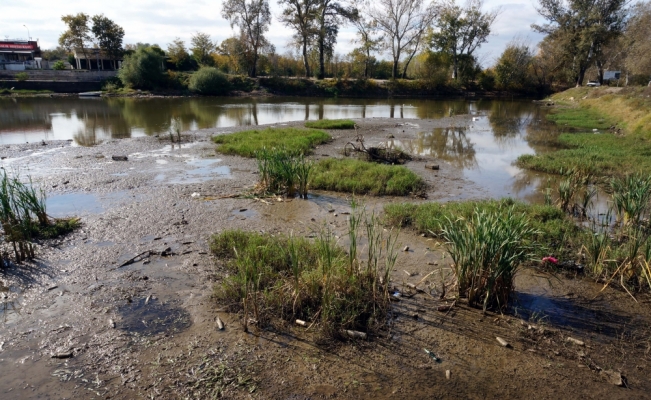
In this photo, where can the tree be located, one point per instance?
(512, 68)
(179, 56)
(583, 28)
(403, 22)
(77, 36)
(329, 16)
(142, 69)
(109, 36)
(460, 31)
(201, 48)
(253, 18)
(369, 43)
(300, 15)
(637, 41)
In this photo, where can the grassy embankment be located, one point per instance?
(284, 170)
(622, 144)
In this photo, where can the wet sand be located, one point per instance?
(147, 329)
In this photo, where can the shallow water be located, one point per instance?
(91, 121)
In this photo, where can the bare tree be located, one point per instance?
(330, 15)
(301, 15)
(368, 39)
(404, 22)
(253, 18)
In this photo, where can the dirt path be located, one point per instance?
(147, 329)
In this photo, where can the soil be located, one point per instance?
(84, 321)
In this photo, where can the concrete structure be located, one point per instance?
(95, 59)
(18, 55)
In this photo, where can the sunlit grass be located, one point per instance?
(363, 177)
(248, 143)
(331, 124)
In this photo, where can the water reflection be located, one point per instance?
(93, 120)
(449, 144)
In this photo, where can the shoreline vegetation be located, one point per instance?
(605, 132)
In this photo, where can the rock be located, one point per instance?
(120, 158)
(502, 342)
(111, 323)
(355, 334)
(220, 324)
(406, 248)
(448, 374)
(575, 341)
(62, 355)
(195, 195)
(434, 167)
(613, 377)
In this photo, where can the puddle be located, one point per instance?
(75, 204)
(202, 170)
(9, 303)
(242, 213)
(153, 318)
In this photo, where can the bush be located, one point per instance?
(22, 76)
(59, 66)
(209, 81)
(142, 69)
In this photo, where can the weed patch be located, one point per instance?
(249, 143)
(363, 177)
(278, 279)
(282, 172)
(331, 124)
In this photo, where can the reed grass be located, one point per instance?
(363, 177)
(274, 280)
(331, 124)
(631, 196)
(249, 143)
(283, 172)
(24, 218)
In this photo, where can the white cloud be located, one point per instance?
(161, 21)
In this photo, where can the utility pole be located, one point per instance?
(29, 37)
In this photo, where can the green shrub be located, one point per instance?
(363, 177)
(249, 143)
(209, 81)
(22, 76)
(142, 69)
(58, 66)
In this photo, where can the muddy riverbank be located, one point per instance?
(84, 321)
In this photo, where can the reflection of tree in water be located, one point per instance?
(100, 123)
(449, 144)
(508, 119)
(542, 134)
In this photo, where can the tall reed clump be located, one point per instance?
(487, 251)
(274, 280)
(23, 216)
(631, 196)
(283, 172)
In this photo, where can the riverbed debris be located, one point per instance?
(502, 342)
(220, 324)
(432, 355)
(136, 258)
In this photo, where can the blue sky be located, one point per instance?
(162, 20)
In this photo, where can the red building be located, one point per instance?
(18, 50)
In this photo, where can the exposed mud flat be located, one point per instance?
(122, 308)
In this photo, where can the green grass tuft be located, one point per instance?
(580, 119)
(249, 143)
(331, 124)
(363, 177)
(552, 224)
(278, 279)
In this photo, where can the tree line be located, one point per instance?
(435, 41)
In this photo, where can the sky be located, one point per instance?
(159, 22)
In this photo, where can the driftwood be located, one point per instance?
(377, 154)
